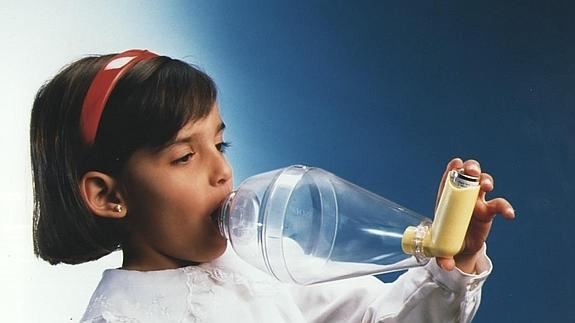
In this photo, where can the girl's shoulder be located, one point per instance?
(126, 295)
(167, 295)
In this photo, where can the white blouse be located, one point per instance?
(229, 290)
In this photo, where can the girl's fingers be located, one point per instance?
(471, 167)
(485, 211)
(486, 182)
(454, 163)
(501, 206)
(446, 263)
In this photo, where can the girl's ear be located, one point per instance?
(102, 195)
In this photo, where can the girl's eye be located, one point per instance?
(223, 146)
(184, 159)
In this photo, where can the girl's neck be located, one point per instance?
(146, 259)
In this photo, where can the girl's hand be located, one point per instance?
(481, 220)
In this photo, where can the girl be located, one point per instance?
(127, 153)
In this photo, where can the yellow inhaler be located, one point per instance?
(445, 236)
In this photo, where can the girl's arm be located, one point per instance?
(425, 294)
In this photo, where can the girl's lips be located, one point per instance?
(216, 214)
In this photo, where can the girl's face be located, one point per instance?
(171, 194)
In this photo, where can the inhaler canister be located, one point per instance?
(445, 237)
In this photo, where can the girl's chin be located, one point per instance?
(223, 248)
(218, 248)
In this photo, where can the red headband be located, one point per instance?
(102, 86)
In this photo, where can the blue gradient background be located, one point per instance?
(384, 94)
(381, 93)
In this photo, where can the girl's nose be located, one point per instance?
(221, 172)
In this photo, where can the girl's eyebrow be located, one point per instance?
(187, 139)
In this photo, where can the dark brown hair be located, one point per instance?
(147, 107)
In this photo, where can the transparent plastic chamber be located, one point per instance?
(304, 225)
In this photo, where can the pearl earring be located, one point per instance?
(118, 208)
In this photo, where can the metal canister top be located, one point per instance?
(460, 179)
